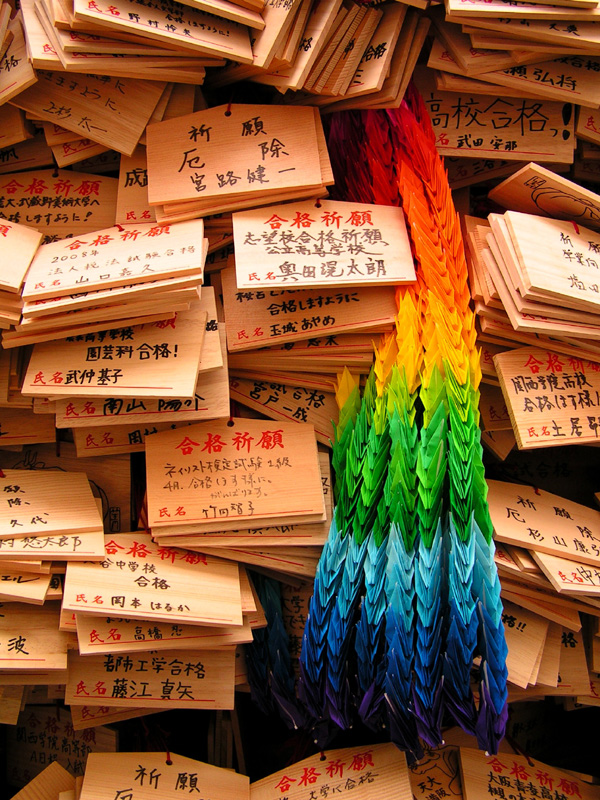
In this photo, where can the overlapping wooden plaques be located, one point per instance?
(481, 773)
(47, 504)
(140, 580)
(206, 161)
(376, 771)
(151, 360)
(198, 679)
(59, 203)
(257, 317)
(221, 476)
(321, 244)
(519, 137)
(153, 775)
(536, 190)
(30, 639)
(115, 257)
(550, 397)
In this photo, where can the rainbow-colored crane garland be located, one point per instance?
(406, 593)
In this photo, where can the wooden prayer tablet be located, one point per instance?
(481, 773)
(59, 203)
(115, 439)
(132, 197)
(375, 772)
(16, 73)
(167, 584)
(66, 547)
(568, 576)
(550, 397)
(44, 736)
(546, 78)
(113, 111)
(153, 777)
(97, 634)
(152, 360)
(13, 128)
(321, 244)
(525, 634)
(19, 244)
(194, 679)
(232, 150)
(184, 26)
(536, 190)
(30, 639)
(588, 126)
(544, 522)
(556, 259)
(532, 128)
(270, 472)
(23, 587)
(48, 784)
(255, 318)
(289, 403)
(45, 504)
(115, 257)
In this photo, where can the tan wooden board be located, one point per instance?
(268, 536)
(113, 439)
(544, 522)
(278, 19)
(568, 576)
(289, 403)
(46, 734)
(136, 294)
(296, 562)
(197, 30)
(588, 126)
(67, 547)
(19, 244)
(31, 639)
(468, 171)
(375, 61)
(132, 197)
(59, 203)
(12, 698)
(573, 671)
(30, 154)
(97, 634)
(159, 776)
(140, 580)
(531, 129)
(75, 151)
(153, 360)
(321, 244)
(200, 679)
(525, 636)
(22, 426)
(376, 771)
(113, 111)
(275, 475)
(568, 78)
(256, 318)
(536, 190)
(23, 587)
(255, 150)
(318, 27)
(479, 8)
(47, 785)
(550, 663)
(13, 127)
(494, 414)
(46, 504)
(108, 476)
(569, 274)
(16, 73)
(536, 385)
(115, 257)
(481, 772)
(90, 717)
